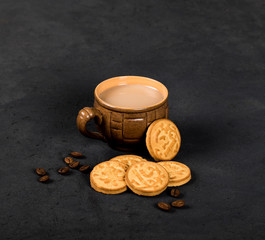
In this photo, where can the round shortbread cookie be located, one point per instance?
(128, 159)
(179, 173)
(109, 177)
(147, 178)
(163, 140)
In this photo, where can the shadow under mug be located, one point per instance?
(121, 127)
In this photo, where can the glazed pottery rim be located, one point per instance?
(124, 80)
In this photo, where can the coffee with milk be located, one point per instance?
(131, 96)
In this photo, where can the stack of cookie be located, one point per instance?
(141, 176)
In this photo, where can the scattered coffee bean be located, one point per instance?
(44, 178)
(174, 192)
(178, 203)
(76, 154)
(63, 170)
(164, 206)
(40, 171)
(84, 168)
(74, 164)
(68, 160)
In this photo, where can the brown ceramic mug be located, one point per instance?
(122, 127)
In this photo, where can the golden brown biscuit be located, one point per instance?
(108, 177)
(146, 178)
(128, 159)
(179, 173)
(163, 140)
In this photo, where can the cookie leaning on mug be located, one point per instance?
(163, 140)
(147, 178)
(128, 159)
(179, 173)
(108, 177)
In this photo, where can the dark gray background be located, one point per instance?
(211, 57)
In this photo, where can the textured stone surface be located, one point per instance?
(209, 54)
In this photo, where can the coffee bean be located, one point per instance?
(84, 168)
(68, 160)
(74, 164)
(44, 178)
(164, 206)
(174, 192)
(63, 170)
(40, 171)
(76, 154)
(178, 203)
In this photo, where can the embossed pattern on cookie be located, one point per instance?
(163, 140)
(179, 173)
(147, 178)
(108, 177)
(128, 159)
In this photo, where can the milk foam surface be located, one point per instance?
(132, 96)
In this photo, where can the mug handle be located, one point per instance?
(84, 116)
